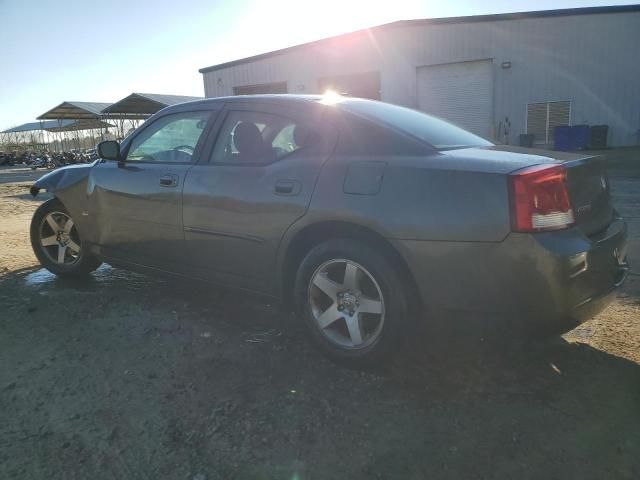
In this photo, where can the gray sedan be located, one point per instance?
(363, 216)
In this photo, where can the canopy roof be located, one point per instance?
(59, 126)
(74, 125)
(31, 126)
(75, 111)
(141, 105)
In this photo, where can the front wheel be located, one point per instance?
(56, 241)
(353, 302)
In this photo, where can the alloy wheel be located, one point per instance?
(346, 303)
(59, 238)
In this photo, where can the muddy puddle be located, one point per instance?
(104, 277)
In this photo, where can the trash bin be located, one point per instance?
(579, 137)
(561, 138)
(598, 136)
(526, 140)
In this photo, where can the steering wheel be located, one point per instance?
(185, 147)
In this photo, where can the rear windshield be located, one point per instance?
(438, 133)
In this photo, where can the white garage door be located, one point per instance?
(459, 92)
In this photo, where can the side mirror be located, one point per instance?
(109, 150)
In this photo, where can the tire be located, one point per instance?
(47, 242)
(358, 336)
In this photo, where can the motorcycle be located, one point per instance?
(7, 159)
(44, 161)
(93, 155)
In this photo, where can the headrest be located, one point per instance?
(303, 136)
(247, 138)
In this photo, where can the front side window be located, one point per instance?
(171, 139)
(259, 138)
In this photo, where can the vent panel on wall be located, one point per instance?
(542, 118)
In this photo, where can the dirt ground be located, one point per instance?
(126, 377)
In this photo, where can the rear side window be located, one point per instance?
(362, 137)
(438, 133)
(258, 138)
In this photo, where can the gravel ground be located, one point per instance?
(125, 376)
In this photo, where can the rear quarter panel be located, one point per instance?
(419, 198)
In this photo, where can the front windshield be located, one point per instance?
(438, 133)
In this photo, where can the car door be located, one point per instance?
(136, 203)
(257, 181)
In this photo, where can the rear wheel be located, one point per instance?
(56, 241)
(352, 300)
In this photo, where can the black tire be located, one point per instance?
(83, 264)
(393, 292)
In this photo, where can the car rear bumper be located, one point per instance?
(590, 278)
(543, 283)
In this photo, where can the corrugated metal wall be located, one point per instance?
(591, 60)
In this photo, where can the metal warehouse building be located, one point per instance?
(496, 75)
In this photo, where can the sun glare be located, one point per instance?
(331, 97)
(334, 18)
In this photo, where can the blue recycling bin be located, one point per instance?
(562, 138)
(579, 137)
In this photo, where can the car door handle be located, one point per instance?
(169, 180)
(287, 187)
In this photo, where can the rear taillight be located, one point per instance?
(539, 199)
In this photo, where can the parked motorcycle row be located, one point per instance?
(46, 160)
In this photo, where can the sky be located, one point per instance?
(85, 50)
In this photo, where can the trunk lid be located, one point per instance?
(587, 180)
(589, 192)
(587, 183)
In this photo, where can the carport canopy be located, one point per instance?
(32, 126)
(76, 111)
(142, 105)
(59, 126)
(75, 125)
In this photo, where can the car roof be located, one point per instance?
(277, 99)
